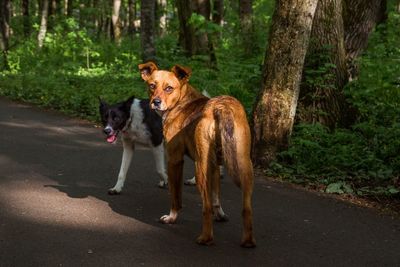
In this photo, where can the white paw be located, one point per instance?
(162, 184)
(114, 191)
(190, 181)
(168, 219)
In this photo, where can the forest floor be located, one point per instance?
(55, 210)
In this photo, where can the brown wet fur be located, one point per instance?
(209, 131)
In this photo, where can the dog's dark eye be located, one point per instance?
(152, 86)
(168, 89)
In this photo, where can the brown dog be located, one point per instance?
(208, 131)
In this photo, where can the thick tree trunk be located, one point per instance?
(5, 29)
(116, 24)
(360, 18)
(26, 17)
(321, 95)
(275, 108)
(246, 24)
(43, 23)
(147, 23)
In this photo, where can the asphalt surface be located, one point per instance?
(55, 211)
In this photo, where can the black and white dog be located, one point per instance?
(138, 124)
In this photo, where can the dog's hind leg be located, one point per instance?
(126, 160)
(159, 157)
(218, 212)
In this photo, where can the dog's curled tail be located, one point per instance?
(235, 141)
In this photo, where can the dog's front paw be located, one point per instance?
(205, 240)
(162, 184)
(221, 217)
(248, 243)
(169, 219)
(191, 181)
(114, 191)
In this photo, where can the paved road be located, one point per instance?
(55, 211)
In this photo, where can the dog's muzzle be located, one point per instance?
(156, 102)
(111, 134)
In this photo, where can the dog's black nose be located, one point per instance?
(107, 131)
(157, 102)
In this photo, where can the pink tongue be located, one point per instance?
(111, 139)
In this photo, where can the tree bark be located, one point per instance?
(186, 31)
(132, 17)
(162, 15)
(218, 12)
(360, 18)
(321, 96)
(275, 107)
(70, 7)
(116, 24)
(43, 23)
(147, 23)
(202, 7)
(246, 24)
(26, 17)
(5, 30)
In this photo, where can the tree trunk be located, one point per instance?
(186, 31)
(116, 24)
(360, 18)
(43, 23)
(132, 17)
(275, 108)
(70, 7)
(162, 15)
(246, 24)
(398, 6)
(147, 21)
(218, 12)
(26, 18)
(5, 30)
(325, 72)
(202, 7)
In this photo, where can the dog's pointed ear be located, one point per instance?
(182, 73)
(146, 69)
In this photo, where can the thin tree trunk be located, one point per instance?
(26, 17)
(275, 108)
(218, 12)
(186, 31)
(246, 24)
(360, 18)
(202, 7)
(5, 30)
(70, 7)
(116, 21)
(147, 23)
(398, 6)
(43, 23)
(162, 14)
(132, 17)
(321, 96)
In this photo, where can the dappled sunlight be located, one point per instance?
(46, 205)
(48, 129)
